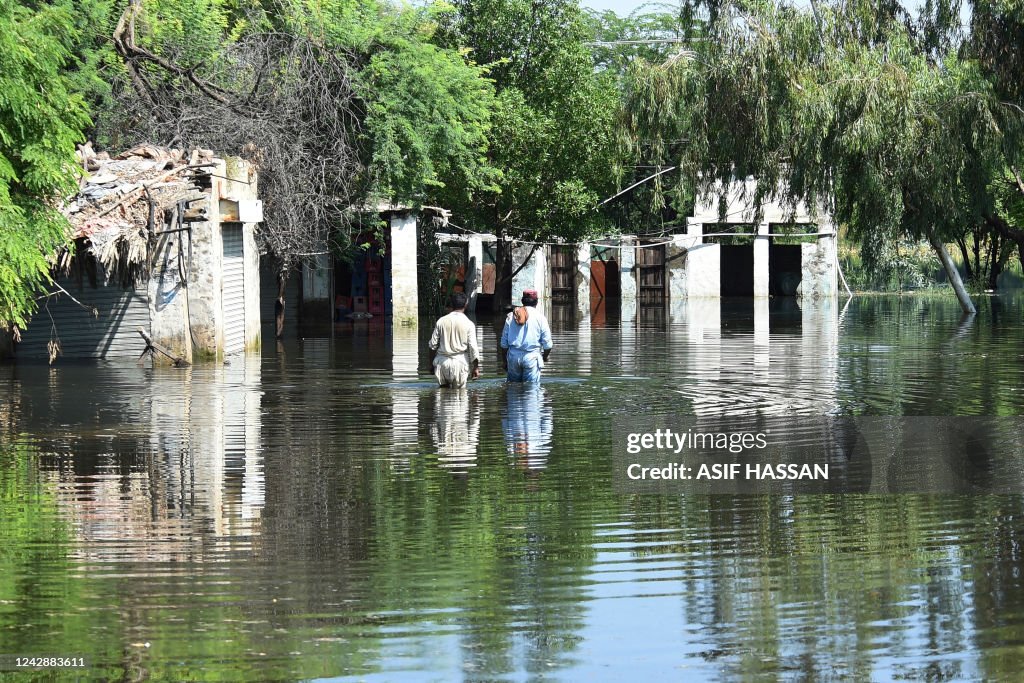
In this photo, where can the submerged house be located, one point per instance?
(379, 285)
(762, 251)
(163, 243)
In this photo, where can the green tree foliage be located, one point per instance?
(425, 109)
(844, 105)
(652, 33)
(397, 116)
(41, 120)
(552, 134)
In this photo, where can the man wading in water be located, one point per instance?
(526, 340)
(453, 350)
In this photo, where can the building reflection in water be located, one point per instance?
(766, 356)
(527, 425)
(146, 467)
(405, 405)
(455, 430)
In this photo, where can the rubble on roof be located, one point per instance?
(122, 200)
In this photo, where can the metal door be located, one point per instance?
(233, 292)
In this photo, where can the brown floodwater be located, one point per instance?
(322, 511)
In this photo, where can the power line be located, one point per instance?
(647, 41)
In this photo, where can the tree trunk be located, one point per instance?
(952, 273)
(509, 270)
(279, 305)
(1003, 228)
(994, 266)
(968, 271)
(502, 276)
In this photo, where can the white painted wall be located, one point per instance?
(533, 275)
(404, 287)
(583, 280)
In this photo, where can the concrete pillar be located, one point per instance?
(533, 275)
(627, 266)
(583, 281)
(206, 277)
(404, 273)
(676, 261)
(818, 277)
(761, 251)
(627, 278)
(474, 271)
(830, 243)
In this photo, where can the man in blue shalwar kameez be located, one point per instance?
(526, 340)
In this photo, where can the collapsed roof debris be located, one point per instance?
(125, 200)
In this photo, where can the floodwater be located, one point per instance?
(323, 512)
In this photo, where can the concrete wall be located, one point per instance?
(740, 207)
(205, 303)
(819, 278)
(698, 274)
(190, 320)
(404, 272)
(474, 271)
(583, 279)
(168, 297)
(533, 275)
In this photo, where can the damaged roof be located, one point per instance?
(122, 199)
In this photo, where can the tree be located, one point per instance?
(552, 133)
(996, 34)
(844, 105)
(653, 33)
(337, 103)
(41, 120)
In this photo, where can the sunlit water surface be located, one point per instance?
(324, 512)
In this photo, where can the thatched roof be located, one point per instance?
(122, 200)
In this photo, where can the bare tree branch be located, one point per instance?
(286, 103)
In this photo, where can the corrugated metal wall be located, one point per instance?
(233, 289)
(81, 335)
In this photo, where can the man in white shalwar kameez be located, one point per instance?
(454, 353)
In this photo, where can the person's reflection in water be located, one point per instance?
(456, 429)
(527, 423)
